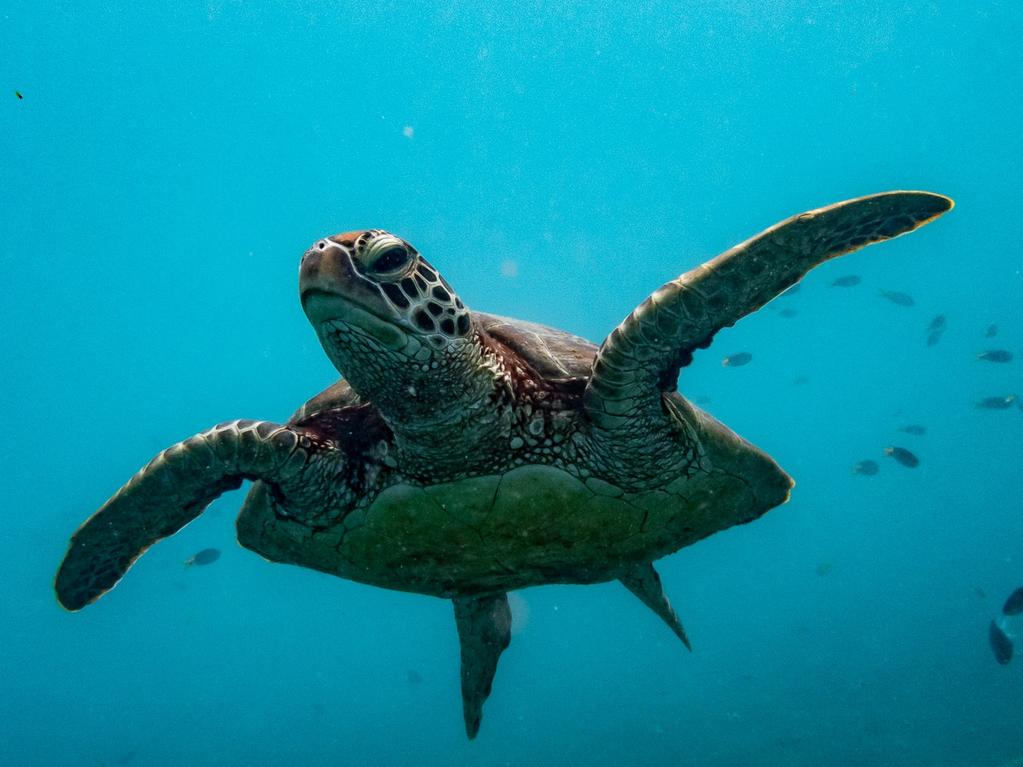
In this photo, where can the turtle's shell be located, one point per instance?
(554, 354)
(532, 524)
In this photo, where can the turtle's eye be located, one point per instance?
(389, 260)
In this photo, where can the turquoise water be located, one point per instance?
(169, 163)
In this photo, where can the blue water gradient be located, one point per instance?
(169, 163)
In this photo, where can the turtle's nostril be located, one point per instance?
(311, 260)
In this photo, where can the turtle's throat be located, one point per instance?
(453, 424)
(442, 404)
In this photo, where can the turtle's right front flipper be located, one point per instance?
(171, 491)
(640, 360)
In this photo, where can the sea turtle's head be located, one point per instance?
(387, 320)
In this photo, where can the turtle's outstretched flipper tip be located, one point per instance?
(71, 596)
(930, 202)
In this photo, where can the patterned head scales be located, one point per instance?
(388, 277)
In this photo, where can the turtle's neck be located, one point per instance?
(457, 421)
(450, 419)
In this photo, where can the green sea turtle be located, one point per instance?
(465, 455)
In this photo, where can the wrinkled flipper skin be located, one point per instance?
(642, 357)
(484, 631)
(645, 583)
(171, 491)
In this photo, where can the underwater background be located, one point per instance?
(165, 166)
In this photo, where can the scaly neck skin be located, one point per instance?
(448, 420)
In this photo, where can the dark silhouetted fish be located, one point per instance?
(18, 94)
(903, 456)
(902, 299)
(824, 568)
(737, 360)
(800, 380)
(204, 557)
(934, 336)
(914, 428)
(938, 323)
(867, 468)
(995, 355)
(1014, 604)
(788, 313)
(1000, 643)
(991, 332)
(413, 676)
(997, 403)
(846, 282)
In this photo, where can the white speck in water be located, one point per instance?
(407, 131)
(412, 391)
(509, 268)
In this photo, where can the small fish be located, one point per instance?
(737, 360)
(800, 380)
(413, 676)
(846, 282)
(996, 403)
(991, 332)
(938, 323)
(934, 336)
(1014, 604)
(18, 94)
(788, 313)
(914, 428)
(995, 355)
(902, 299)
(204, 557)
(824, 568)
(867, 468)
(903, 456)
(1000, 643)
(981, 594)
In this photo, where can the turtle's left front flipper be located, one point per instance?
(641, 358)
(171, 491)
(484, 631)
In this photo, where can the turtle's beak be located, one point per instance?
(333, 294)
(328, 284)
(318, 272)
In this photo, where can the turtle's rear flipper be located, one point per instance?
(171, 491)
(484, 630)
(641, 358)
(645, 583)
